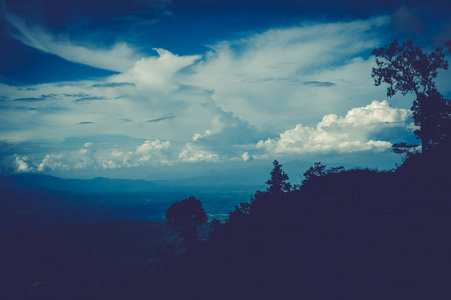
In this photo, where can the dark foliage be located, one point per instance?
(403, 148)
(356, 234)
(346, 234)
(406, 69)
(186, 216)
(278, 183)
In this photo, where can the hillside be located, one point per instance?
(346, 234)
(357, 234)
(82, 261)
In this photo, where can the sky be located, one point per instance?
(142, 88)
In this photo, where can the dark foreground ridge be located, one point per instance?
(356, 234)
(343, 234)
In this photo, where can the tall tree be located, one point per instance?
(278, 183)
(407, 69)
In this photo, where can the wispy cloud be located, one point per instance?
(160, 119)
(34, 99)
(319, 83)
(89, 99)
(120, 57)
(113, 85)
(27, 89)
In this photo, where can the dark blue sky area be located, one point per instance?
(182, 27)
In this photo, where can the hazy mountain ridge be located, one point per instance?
(39, 200)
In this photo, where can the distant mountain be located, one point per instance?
(38, 200)
(79, 186)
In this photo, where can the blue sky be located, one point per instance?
(132, 88)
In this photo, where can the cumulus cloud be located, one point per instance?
(157, 72)
(228, 134)
(192, 154)
(22, 164)
(53, 162)
(348, 134)
(95, 156)
(372, 117)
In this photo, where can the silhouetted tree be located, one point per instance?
(264, 203)
(404, 148)
(278, 183)
(334, 170)
(240, 211)
(407, 69)
(318, 169)
(185, 216)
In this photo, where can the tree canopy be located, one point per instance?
(278, 183)
(407, 69)
(185, 216)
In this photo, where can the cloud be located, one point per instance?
(319, 83)
(150, 146)
(89, 99)
(120, 57)
(239, 101)
(269, 75)
(34, 99)
(77, 95)
(52, 162)
(193, 154)
(348, 134)
(27, 89)
(96, 156)
(113, 85)
(160, 119)
(228, 134)
(157, 73)
(22, 164)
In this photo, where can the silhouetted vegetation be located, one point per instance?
(358, 234)
(355, 234)
(406, 68)
(186, 216)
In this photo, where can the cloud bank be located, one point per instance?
(348, 134)
(283, 92)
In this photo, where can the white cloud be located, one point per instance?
(156, 73)
(151, 146)
(53, 162)
(92, 157)
(118, 58)
(266, 76)
(227, 104)
(245, 156)
(341, 134)
(22, 165)
(192, 154)
(377, 114)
